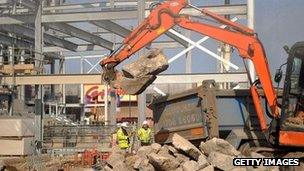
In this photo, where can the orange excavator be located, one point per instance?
(167, 14)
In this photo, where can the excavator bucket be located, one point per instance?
(133, 86)
(138, 75)
(152, 63)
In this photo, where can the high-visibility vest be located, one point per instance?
(144, 135)
(123, 140)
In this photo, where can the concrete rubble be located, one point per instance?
(138, 75)
(214, 154)
(152, 63)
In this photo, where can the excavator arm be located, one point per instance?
(166, 15)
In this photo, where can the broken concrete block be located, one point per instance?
(131, 160)
(151, 64)
(221, 161)
(115, 158)
(190, 166)
(208, 168)
(156, 147)
(163, 162)
(184, 145)
(218, 145)
(181, 158)
(256, 155)
(179, 169)
(119, 166)
(172, 150)
(163, 150)
(239, 169)
(137, 163)
(144, 151)
(133, 86)
(146, 166)
(202, 161)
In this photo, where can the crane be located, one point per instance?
(167, 15)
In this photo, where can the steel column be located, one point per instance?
(141, 99)
(250, 23)
(38, 88)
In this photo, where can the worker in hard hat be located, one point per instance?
(123, 137)
(144, 134)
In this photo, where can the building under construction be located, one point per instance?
(66, 85)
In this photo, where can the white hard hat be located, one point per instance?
(124, 124)
(118, 124)
(145, 123)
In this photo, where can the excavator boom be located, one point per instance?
(166, 15)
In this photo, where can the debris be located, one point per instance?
(202, 161)
(181, 158)
(133, 86)
(220, 160)
(144, 151)
(184, 145)
(208, 168)
(115, 159)
(218, 145)
(163, 150)
(151, 64)
(146, 166)
(163, 161)
(190, 166)
(156, 147)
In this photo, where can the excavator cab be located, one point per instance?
(292, 110)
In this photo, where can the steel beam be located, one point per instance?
(94, 5)
(123, 32)
(235, 9)
(96, 78)
(176, 38)
(198, 78)
(112, 27)
(26, 3)
(88, 16)
(9, 41)
(81, 34)
(117, 14)
(30, 33)
(89, 47)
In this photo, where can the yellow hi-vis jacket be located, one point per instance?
(144, 135)
(123, 140)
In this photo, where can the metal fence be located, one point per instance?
(70, 139)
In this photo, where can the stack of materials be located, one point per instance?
(215, 154)
(16, 136)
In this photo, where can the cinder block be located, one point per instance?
(16, 147)
(19, 127)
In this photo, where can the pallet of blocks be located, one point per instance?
(19, 68)
(16, 136)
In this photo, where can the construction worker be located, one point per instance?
(144, 134)
(123, 137)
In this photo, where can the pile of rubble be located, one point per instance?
(215, 154)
